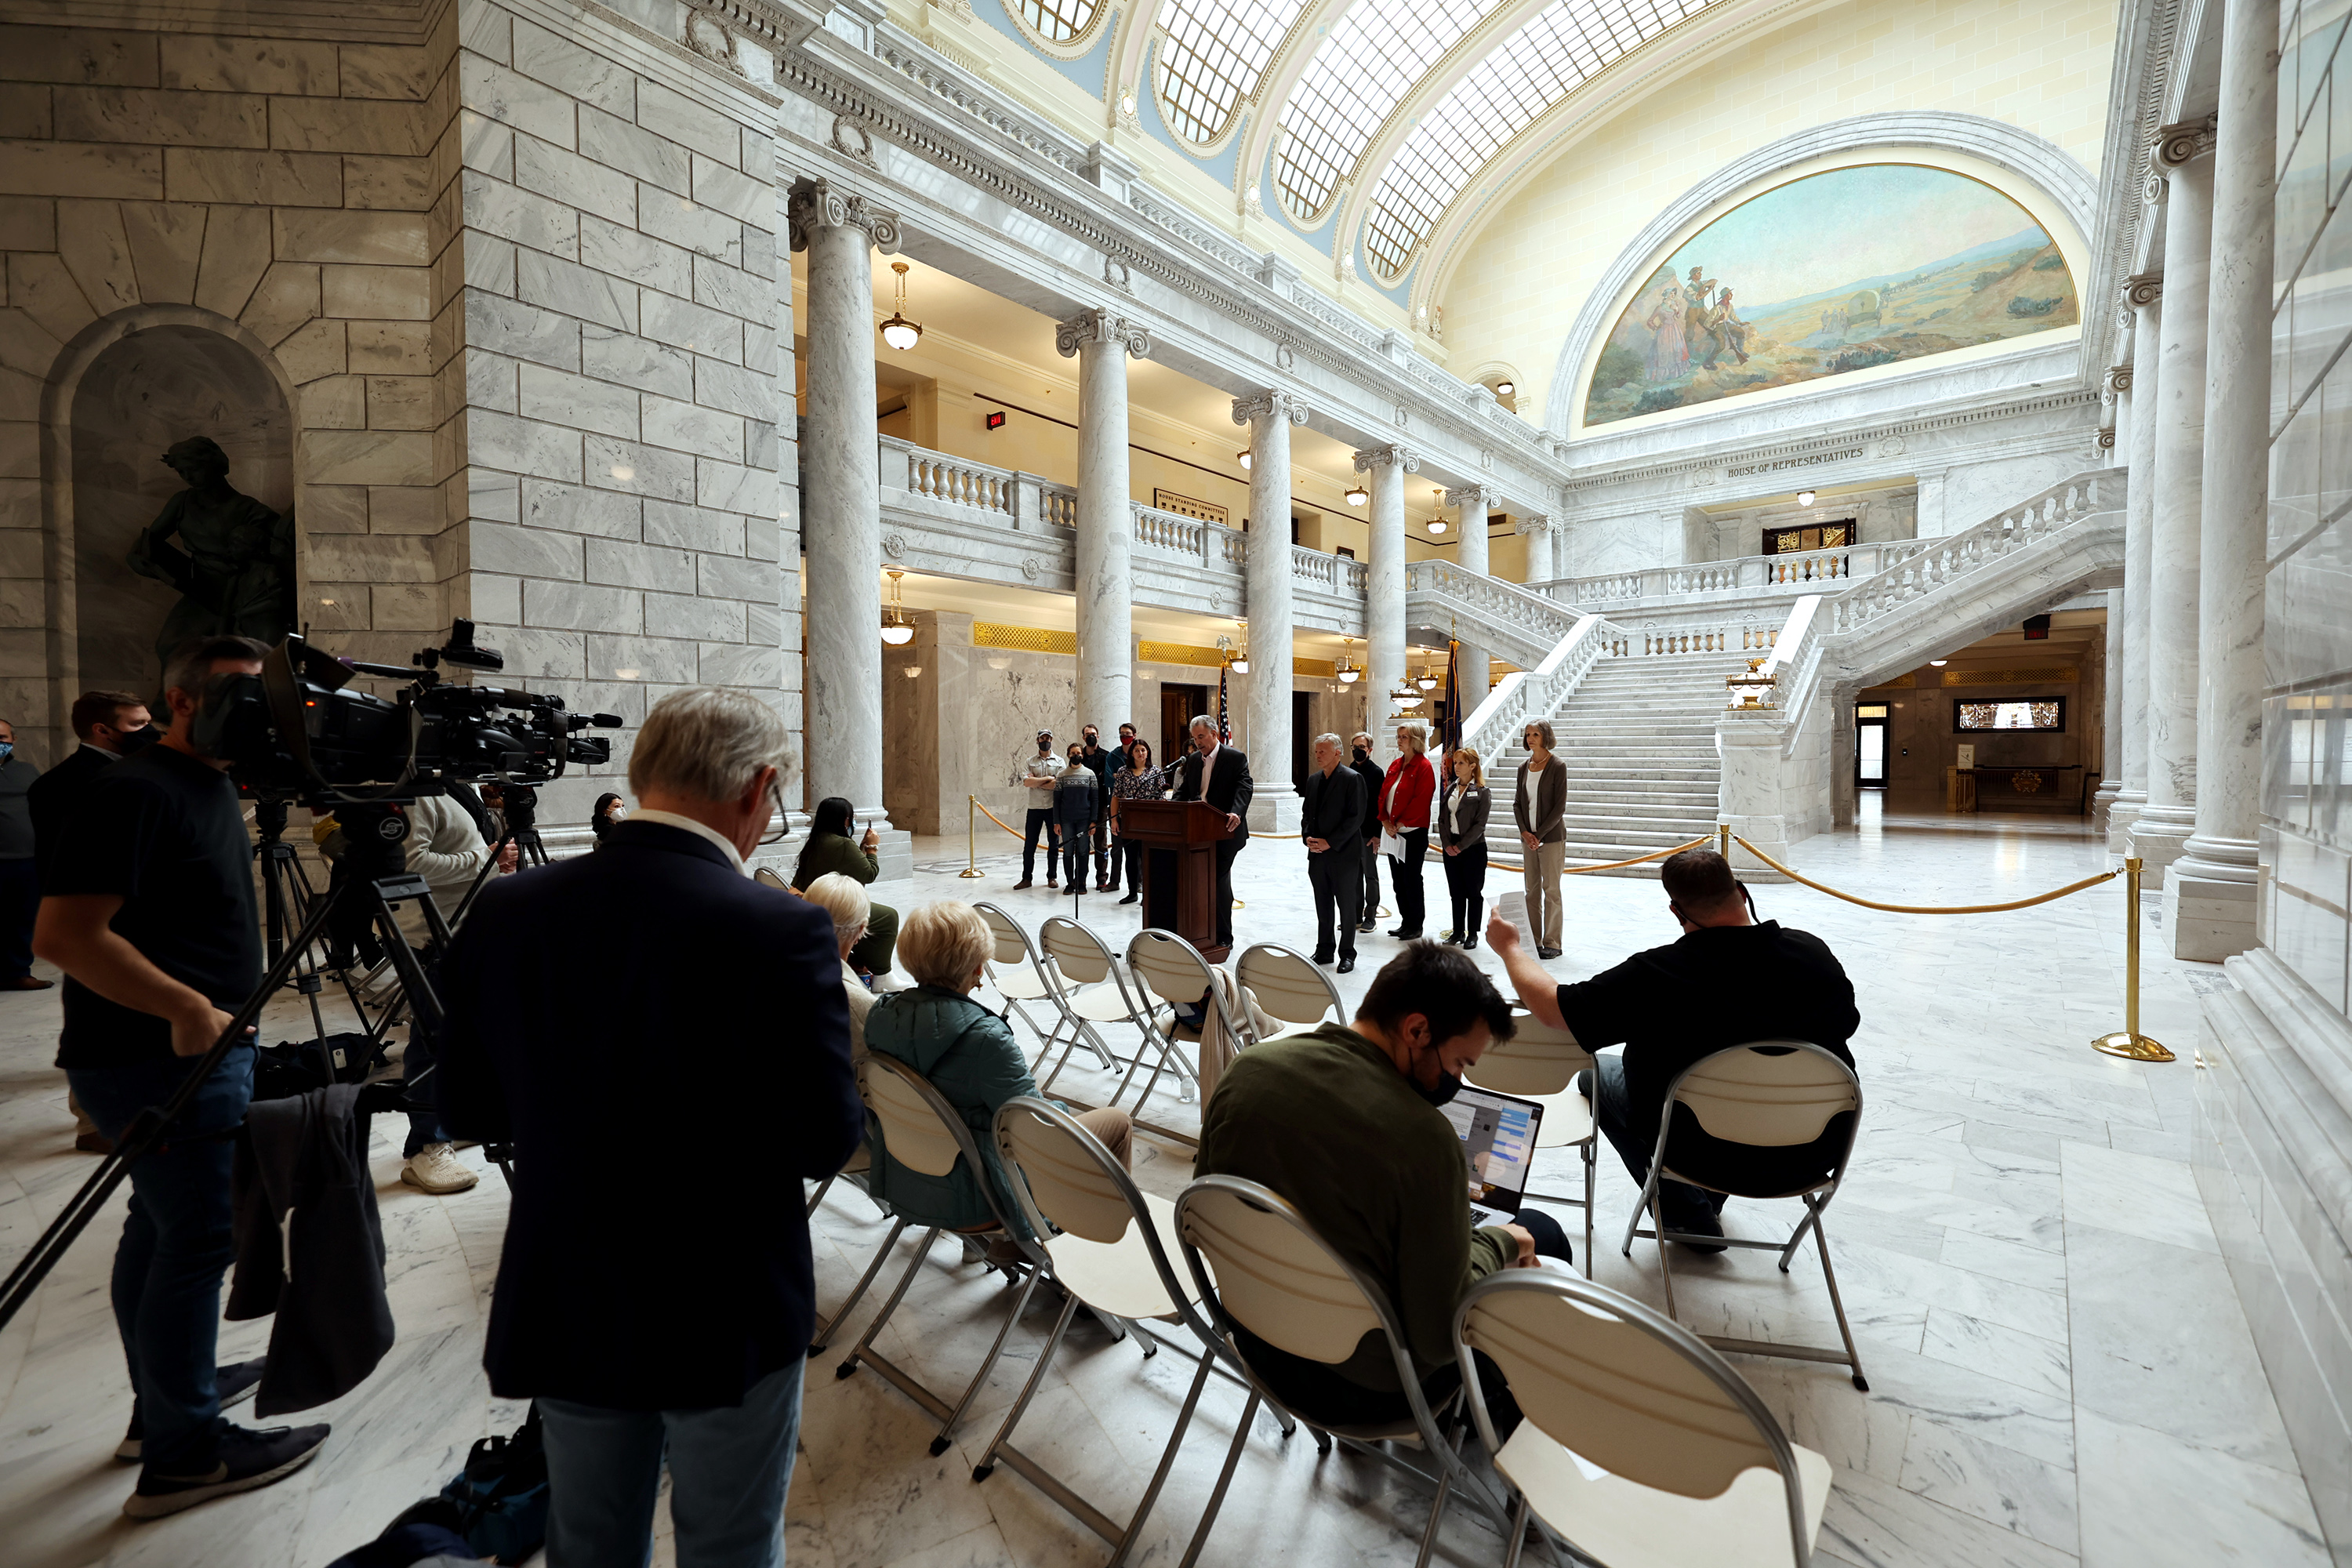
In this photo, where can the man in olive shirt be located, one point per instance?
(1343, 1123)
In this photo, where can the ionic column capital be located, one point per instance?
(1272, 404)
(1485, 497)
(2119, 379)
(2142, 290)
(2176, 146)
(1537, 523)
(1403, 459)
(1100, 327)
(818, 203)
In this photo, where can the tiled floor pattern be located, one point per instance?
(2059, 1368)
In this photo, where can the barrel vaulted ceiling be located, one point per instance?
(1386, 110)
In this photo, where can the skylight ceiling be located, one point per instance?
(1556, 52)
(1058, 21)
(1212, 58)
(1358, 74)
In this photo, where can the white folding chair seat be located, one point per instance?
(922, 1131)
(1696, 1471)
(1092, 987)
(1287, 985)
(1261, 1267)
(1111, 1247)
(1765, 1094)
(1540, 1063)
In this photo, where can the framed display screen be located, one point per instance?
(2032, 713)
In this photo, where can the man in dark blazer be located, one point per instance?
(1218, 775)
(109, 725)
(1331, 821)
(653, 995)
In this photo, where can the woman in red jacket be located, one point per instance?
(1403, 808)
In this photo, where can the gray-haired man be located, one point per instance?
(1331, 821)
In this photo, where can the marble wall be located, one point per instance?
(2275, 1119)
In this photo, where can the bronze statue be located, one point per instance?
(236, 574)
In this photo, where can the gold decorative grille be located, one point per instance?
(2048, 676)
(1032, 639)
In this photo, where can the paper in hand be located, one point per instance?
(1392, 847)
(1513, 907)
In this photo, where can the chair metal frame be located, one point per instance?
(1038, 965)
(1210, 1354)
(1587, 1147)
(1167, 945)
(1242, 967)
(1815, 1198)
(1067, 990)
(1586, 1295)
(968, 1150)
(1452, 1475)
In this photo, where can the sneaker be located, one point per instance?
(232, 1385)
(242, 1459)
(1369, 926)
(435, 1169)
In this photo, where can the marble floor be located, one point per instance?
(2059, 1368)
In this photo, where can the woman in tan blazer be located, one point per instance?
(1540, 803)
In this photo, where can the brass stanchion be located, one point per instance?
(1723, 836)
(970, 847)
(2131, 1045)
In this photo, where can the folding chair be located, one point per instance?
(1540, 1063)
(1274, 1276)
(1765, 1094)
(1288, 986)
(1167, 967)
(1698, 1472)
(1114, 1255)
(1091, 986)
(922, 1131)
(1019, 976)
(768, 876)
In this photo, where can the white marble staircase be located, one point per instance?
(1638, 737)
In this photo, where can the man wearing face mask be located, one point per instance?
(149, 909)
(1731, 979)
(20, 876)
(1342, 1121)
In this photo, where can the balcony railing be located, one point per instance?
(1805, 572)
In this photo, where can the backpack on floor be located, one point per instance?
(502, 1492)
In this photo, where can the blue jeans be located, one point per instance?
(176, 1243)
(729, 1468)
(1613, 1110)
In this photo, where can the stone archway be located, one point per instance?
(140, 393)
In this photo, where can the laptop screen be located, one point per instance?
(1498, 1143)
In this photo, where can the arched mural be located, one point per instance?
(1835, 272)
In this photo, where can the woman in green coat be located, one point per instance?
(830, 848)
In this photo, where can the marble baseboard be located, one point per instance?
(2208, 920)
(2274, 1165)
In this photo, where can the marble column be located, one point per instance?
(1106, 531)
(1474, 502)
(841, 507)
(2209, 899)
(2111, 771)
(1267, 595)
(1537, 531)
(2144, 301)
(1384, 580)
(2183, 160)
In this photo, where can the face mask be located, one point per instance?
(7, 750)
(129, 740)
(1362, 755)
(1448, 1086)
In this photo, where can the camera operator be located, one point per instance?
(714, 1027)
(149, 912)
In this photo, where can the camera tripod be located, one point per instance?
(151, 1127)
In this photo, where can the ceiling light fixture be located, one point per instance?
(1357, 495)
(1437, 520)
(1348, 672)
(1405, 697)
(1939, 663)
(1506, 388)
(1242, 457)
(1804, 497)
(897, 332)
(896, 632)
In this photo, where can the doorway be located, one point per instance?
(1178, 704)
(1870, 745)
(1302, 738)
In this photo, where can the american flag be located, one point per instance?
(1450, 732)
(1225, 720)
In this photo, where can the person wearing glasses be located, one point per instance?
(830, 850)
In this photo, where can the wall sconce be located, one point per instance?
(1504, 388)
(912, 672)
(1804, 497)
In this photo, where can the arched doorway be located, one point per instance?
(140, 394)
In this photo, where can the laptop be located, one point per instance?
(1498, 1150)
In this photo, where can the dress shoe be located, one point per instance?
(1130, 898)
(1322, 958)
(1023, 882)
(1547, 954)
(94, 1143)
(25, 983)
(1467, 942)
(1404, 935)
(1347, 965)
(1701, 1223)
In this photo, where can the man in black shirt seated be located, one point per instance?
(149, 909)
(1728, 981)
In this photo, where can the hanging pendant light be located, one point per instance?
(1437, 517)
(1405, 697)
(1348, 672)
(1243, 458)
(896, 632)
(899, 331)
(1357, 495)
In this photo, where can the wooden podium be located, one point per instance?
(1179, 839)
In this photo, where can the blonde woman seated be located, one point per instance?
(969, 1055)
(846, 902)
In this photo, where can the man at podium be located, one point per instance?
(1218, 775)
